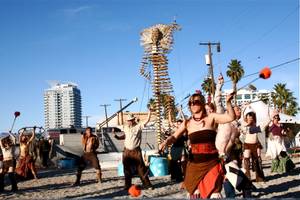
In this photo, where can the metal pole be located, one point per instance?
(105, 106)
(121, 113)
(211, 68)
(86, 120)
(211, 71)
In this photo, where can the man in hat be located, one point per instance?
(132, 155)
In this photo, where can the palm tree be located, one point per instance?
(207, 87)
(281, 95)
(292, 108)
(235, 72)
(284, 100)
(167, 102)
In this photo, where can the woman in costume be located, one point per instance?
(252, 146)
(204, 173)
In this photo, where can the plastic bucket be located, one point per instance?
(66, 163)
(120, 169)
(158, 166)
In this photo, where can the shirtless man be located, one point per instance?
(90, 143)
(26, 161)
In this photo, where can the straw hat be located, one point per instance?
(130, 117)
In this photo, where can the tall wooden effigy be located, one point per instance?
(157, 42)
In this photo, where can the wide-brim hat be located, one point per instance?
(130, 117)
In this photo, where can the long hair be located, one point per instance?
(202, 100)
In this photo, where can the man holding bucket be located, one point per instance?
(132, 155)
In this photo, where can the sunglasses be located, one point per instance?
(276, 118)
(195, 103)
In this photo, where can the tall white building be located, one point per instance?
(62, 104)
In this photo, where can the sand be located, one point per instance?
(57, 184)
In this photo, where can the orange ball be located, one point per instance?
(265, 73)
(134, 191)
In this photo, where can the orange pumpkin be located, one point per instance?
(134, 191)
(265, 73)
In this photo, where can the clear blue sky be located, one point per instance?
(96, 44)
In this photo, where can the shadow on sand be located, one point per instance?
(283, 186)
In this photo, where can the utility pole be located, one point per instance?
(105, 105)
(121, 113)
(86, 120)
(210, 63)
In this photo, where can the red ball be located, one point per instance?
(134, 191)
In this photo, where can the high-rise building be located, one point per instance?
(62, 104)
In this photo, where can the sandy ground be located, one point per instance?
(57, 184)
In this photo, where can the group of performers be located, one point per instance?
(22, 166)
(222, 146)
(210, 150)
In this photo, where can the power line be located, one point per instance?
(276, 66)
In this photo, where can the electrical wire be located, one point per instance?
(274, 67)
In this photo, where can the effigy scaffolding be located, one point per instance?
(157, 42)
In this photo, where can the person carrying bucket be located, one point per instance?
(204, 172)
(90, 144)
(132, 154)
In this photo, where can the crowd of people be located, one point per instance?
(19, 161)
(212, 149)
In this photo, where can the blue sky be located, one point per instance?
(96, 44)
